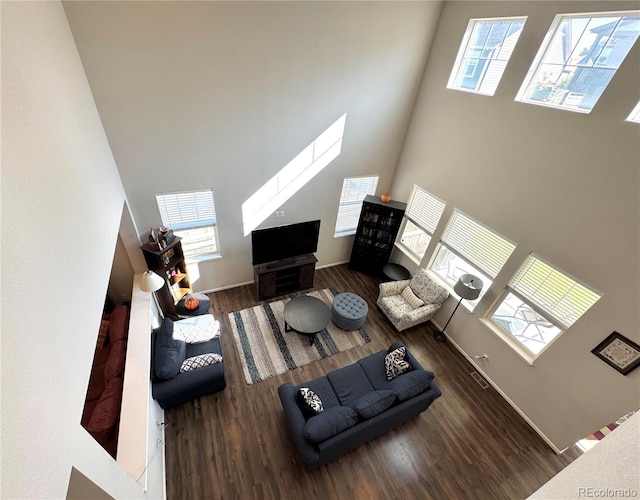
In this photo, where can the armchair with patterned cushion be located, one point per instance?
(407, 303)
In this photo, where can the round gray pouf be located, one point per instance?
(349, 311)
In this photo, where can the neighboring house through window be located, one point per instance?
(467, 246)
(484, 53)
(192, 216)
(578, 59)
(354, 189)
(539, 304)
(420, 221)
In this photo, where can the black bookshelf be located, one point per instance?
(376, 234)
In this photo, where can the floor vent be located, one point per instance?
(478, 378)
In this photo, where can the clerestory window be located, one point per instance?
(578, 59)
(485, 50)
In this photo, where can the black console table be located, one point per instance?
(280, 277)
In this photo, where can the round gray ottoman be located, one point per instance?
(349, 311)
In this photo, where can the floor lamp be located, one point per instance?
(151, 282)
(468, 287)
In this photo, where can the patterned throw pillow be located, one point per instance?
(201, 332)
(412, 299)
(310, 403)
(395, 363)
(200, 361)
(102, 333)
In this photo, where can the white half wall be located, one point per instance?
(609, 470)
(62, 201)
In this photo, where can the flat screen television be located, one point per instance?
(284, 242)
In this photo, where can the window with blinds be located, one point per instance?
(557, 294)
(466, 246)
(423, 214)
(477, 243)
(192, 216)
(354, 190)
(540, 303)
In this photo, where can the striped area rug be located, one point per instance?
(266, 350)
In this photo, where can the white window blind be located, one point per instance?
(481, 246)
(185, 210)
(354, 189)
(554, 292)
(425, 209)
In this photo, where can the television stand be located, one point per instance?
(279, 263)
(284, 276)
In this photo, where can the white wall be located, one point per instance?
(563, 185)
(224, 94)
(62, 201)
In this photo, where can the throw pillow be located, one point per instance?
(395, 345)
(309, 402)
(395, 363)
(201, 332)
(374, 403)
(199, 361)
(170, 351)
(102, 333)
(330, 422)
(412, 299)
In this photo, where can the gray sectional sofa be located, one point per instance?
(359, 404)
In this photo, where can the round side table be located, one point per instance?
(203, 306)
(395, 272)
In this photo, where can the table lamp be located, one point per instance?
(152, 282)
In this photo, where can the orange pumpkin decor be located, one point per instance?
(385, 198)
(191, 303)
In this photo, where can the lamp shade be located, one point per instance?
(151, 282)
(468, 287)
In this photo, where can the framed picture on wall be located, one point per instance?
(619, 352)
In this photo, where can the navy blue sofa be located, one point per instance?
(169, 386)
(359, 404)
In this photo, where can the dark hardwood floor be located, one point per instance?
(469, 444)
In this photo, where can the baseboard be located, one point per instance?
(501, 392)
(227, 287)
(332, 265)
